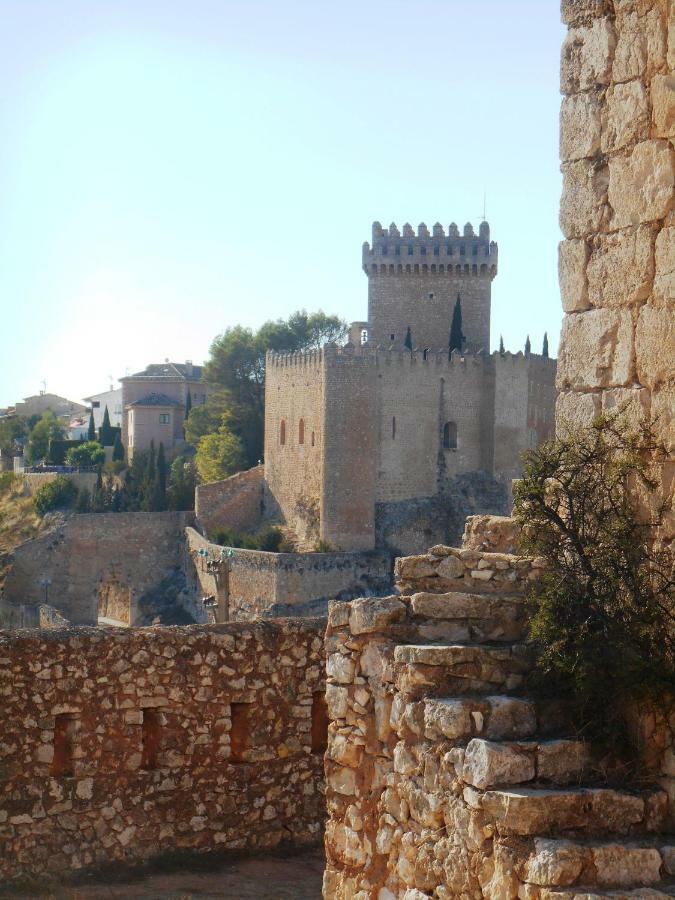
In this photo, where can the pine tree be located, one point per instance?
(456, 337)
(91, 432)
(118, 448)
(544, 349)
(188, 407)
(502, 351)
(528, 346)
(407, 343)
(105, 431)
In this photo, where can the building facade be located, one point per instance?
(362, 438)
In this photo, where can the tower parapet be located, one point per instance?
(394, 251)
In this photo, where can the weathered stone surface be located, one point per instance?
(641, 184)
(575, 410)
(618, 865)
(450, 718)
(621, 267)
(487, 764)
(583, 206)
(375, 614)
(663, 410)
(492, 533)
(655, 345)
(510, 718)
(586, 57)
(625, 116)
(664, 275)
(579, 127)
(572, 258)
(596, 350)
(641, 45)
(562, 762)
(634, 403)
(663, 105)
(554, 863)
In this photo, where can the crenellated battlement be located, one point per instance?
(306, 359)
(403, 251)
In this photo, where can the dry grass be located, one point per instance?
(18, 520)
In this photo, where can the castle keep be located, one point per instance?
(359, 437)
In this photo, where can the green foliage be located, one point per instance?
(323, 547)
(528, 346)
(544, 348)
(502, 351)
(237, 367)
(7, 481)
(57, 449)
(91, 431)
(270, 539)
(602, 615)
(13, 431)
(182, 483)
(219, 455)
(118, 448)
(106, 433)
(87, 455)
(56, 494)
(46, 429)
(456, 340)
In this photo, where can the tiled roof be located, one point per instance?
(154, 399)
(173, 370)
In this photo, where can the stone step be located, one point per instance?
(497, 717)
(592, 893)
(594, 811)
(469, 617)
(439, 670)
(487, 764)
(553, 864)
(444, 569)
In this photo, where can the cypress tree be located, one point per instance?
(544, 349)
(456, 336)
(161, 473)
(528, 346)
(188, 407)
(105, 431)
(118, 449)
(91, 433)
(502, 351)
(407, 343)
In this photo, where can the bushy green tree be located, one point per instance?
(57, 494)
(603, 614)
(182, 483)
(13, 430)
(219, 455)
(87, 455)
(47, 428)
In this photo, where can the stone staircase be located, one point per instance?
(487, 794)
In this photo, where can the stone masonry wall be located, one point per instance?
(617, 262)
(134, 551)
(253, 583)
(118, 745)
(235, 502)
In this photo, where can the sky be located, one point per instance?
(169, 169)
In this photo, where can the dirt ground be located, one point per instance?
(261, 878)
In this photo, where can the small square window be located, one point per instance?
(164, 418)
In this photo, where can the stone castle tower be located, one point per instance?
(378, 444)
(414, 281)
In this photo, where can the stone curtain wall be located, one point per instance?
(272, 584)
(121, 745)
(32, 481)
(617, 262)
(235, 502)
(134, 551)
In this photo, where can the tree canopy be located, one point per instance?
(46, 429)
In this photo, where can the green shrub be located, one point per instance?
(7, 481)
(602, 616)
(323, 547)
(270, 539)
(56, 494)
(87, 455)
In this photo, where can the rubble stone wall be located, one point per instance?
(123, 744)
(235, 502)
(617, 262)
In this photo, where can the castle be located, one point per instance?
(365, 444)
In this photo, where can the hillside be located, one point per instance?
(18, 520)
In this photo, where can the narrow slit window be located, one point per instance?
(240, 731)
(282, 432)
(151, 730)
(66, 728)
(301, 431)
(312, 439)
(450, 436)
(393, 428)
(319, 723)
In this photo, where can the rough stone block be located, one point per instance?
(655, 345)
(450, 718)
(663, 410)
(583, 205)
(663, 105)
(617, 865)
(586, 57)
(554, 863)
(572, 259)
(625, 116)
(582, 12)
(633, 403)
(368, 615)
(640, 47)
(620, 270)
(562, 762)
(596, 350)
(664, 266)
(573, 410)
(487, 764)
(641, 184)
(510, 718)
(579, 126)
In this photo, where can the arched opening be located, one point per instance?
(450, 436)
(282, 432)
(301, 431)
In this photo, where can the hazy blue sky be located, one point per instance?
(169, 168)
